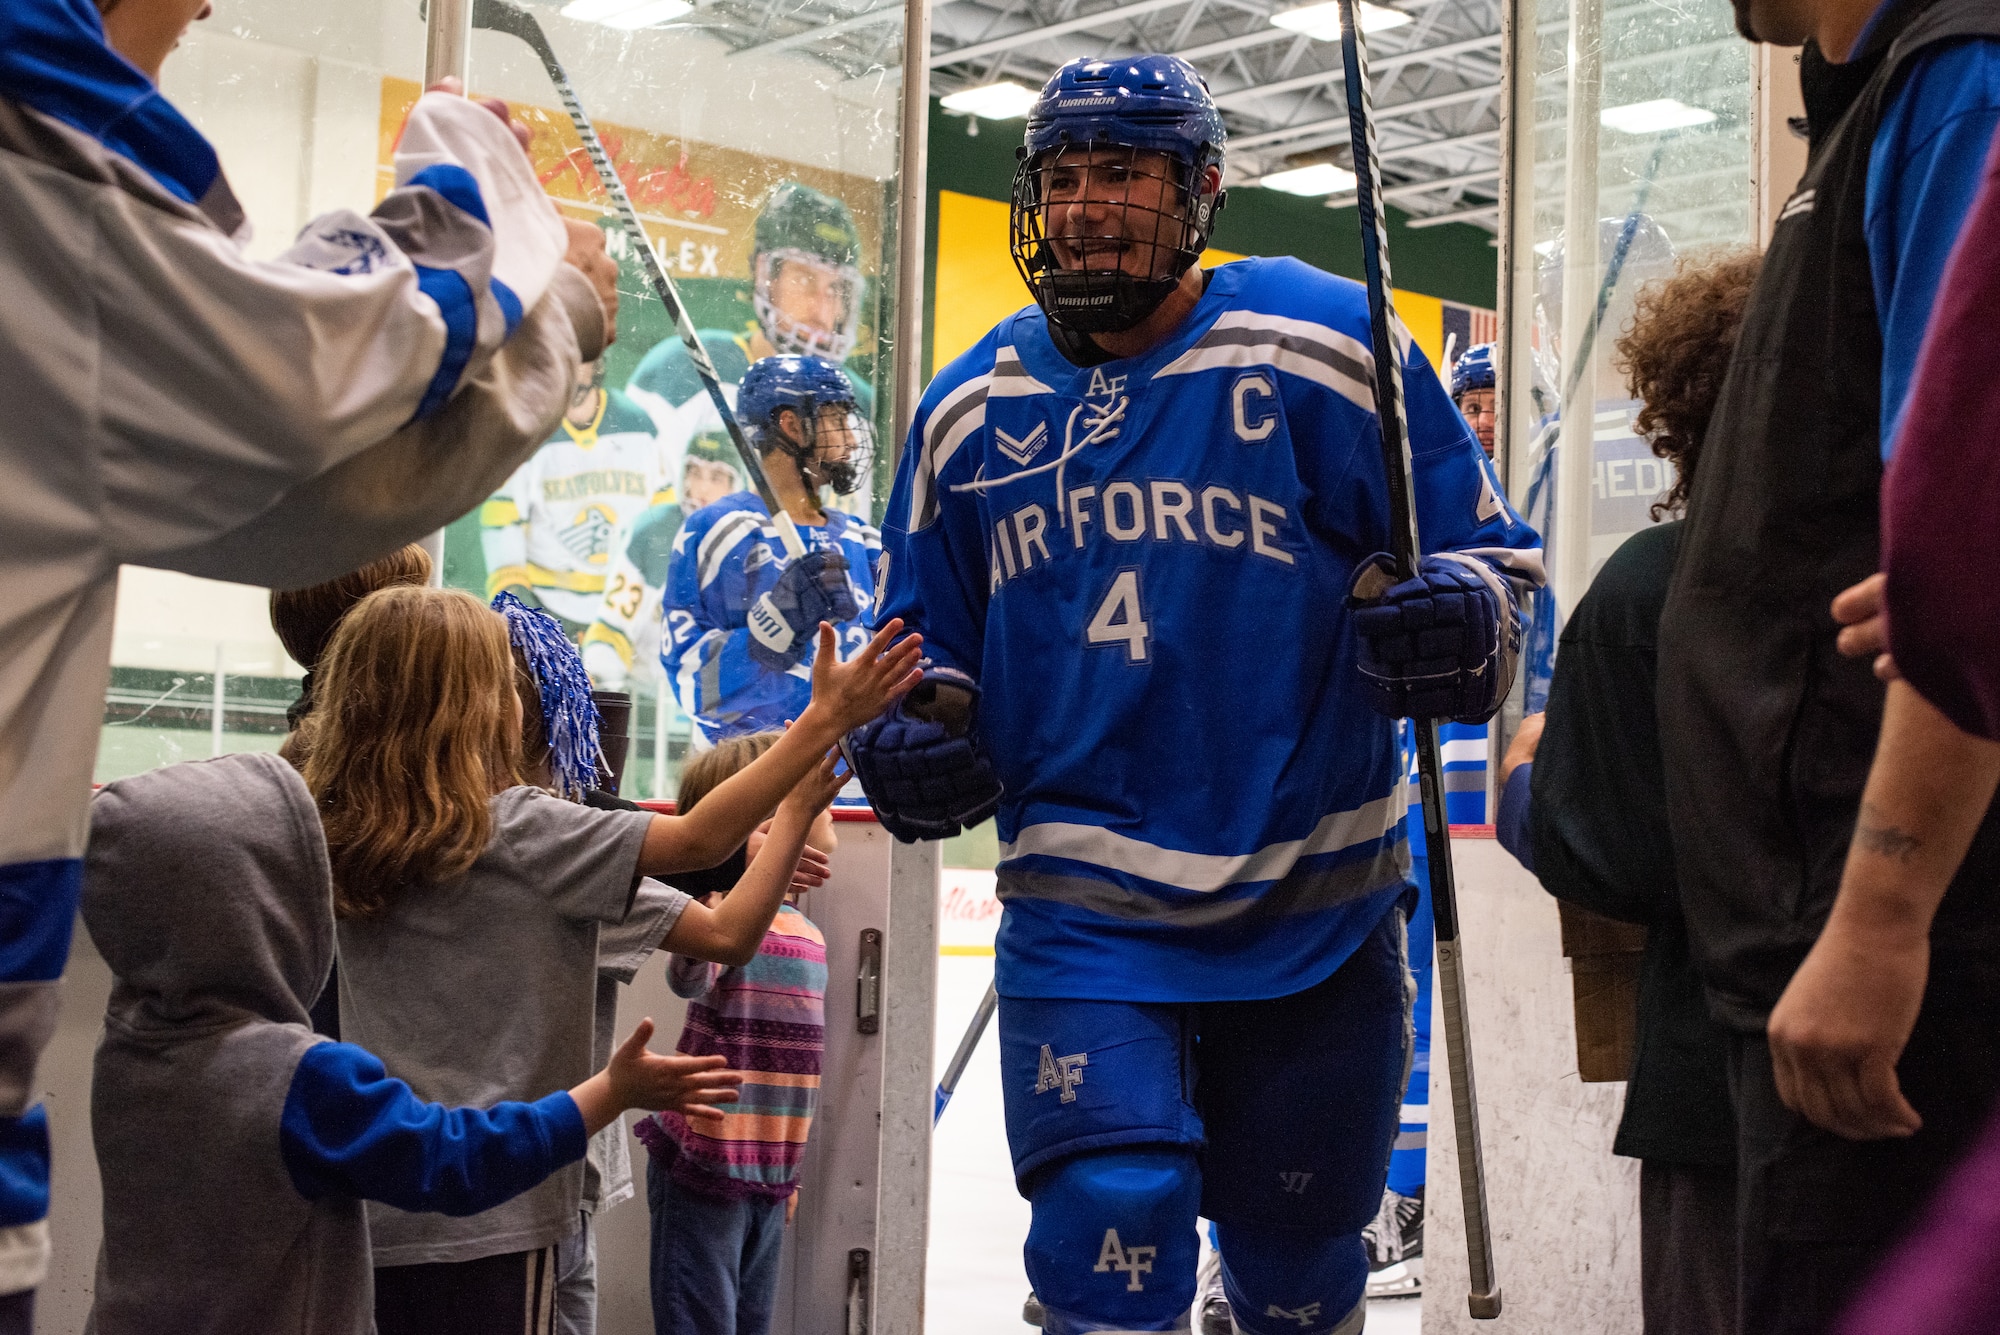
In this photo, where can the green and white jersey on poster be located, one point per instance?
(553, 529)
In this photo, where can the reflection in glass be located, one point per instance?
(760, 149)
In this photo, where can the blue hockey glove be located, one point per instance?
(1441, 645)
(812, 589)
(921, 764)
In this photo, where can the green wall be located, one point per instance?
(1456, 262)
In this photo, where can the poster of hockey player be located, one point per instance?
(806, 292)
(770, 256)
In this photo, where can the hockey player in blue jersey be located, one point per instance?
(1474, 390)
(738, 640)
(1139, 526)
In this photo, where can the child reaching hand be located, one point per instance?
(470, 905)
(234, 1144)
(721, 1190)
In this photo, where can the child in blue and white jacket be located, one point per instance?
(236, 1145)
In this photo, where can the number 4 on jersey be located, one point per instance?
(1118, 619)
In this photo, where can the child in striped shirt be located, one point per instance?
(722, 1192)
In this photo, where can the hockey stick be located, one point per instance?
(505, 16)
(1614, 270)
(1484, 1298)
(963, 1057)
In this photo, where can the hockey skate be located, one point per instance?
(1211, 1305)
(1395, 1243)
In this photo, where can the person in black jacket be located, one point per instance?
(1583, 806)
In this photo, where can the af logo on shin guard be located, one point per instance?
(1133, 1261)
(1305, 1316)
(1064, 1073)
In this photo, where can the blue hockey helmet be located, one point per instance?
(1472, 370)
(1105, 275)
(833, 451)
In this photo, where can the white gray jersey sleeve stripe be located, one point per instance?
(719, 541)
(1298, 347)
(962, 412)
(1012, 379)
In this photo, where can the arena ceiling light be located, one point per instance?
(1321, 22)
(626, 14)
(1661, 114)
(1002, 101)
(1321, 178)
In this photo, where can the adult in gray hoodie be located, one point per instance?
(235, 1144)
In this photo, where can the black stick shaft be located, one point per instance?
(504, 16)
(1484, 1296)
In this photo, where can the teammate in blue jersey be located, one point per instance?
(1138, 526)
(739, 617)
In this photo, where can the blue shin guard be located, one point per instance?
(1113, 1244)
(1281, 1281)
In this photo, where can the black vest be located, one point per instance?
(1767, 732)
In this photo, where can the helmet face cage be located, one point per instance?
(1102, 231)
(826, 427)
(793, 336)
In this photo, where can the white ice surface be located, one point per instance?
(978, 1221)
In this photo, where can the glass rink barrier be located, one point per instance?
(772, 159)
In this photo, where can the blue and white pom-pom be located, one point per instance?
(569, 715)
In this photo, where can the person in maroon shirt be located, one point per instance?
(1931, 618)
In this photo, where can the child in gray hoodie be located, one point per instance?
(236, 1145)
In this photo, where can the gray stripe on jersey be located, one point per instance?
(943, 434)
(719, 541)
(1012, 380)
(1301, 892)
(1330, 357)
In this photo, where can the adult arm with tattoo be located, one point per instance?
(1841, 1025)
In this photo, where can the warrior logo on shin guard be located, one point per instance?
(1064, 1073)
(1134, 1261)
(1305, 1316)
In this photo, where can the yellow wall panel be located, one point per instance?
(977, 285)
(1424, 317)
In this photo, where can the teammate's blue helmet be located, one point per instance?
(1472, 370)
(806, 385)
(1115, 274)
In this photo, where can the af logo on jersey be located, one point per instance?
(1103, 386)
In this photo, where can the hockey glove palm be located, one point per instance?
(1441, 645)
(812, 589)
(922, 768)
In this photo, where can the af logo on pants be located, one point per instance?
(1134, 1261)
(1064, 1073)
